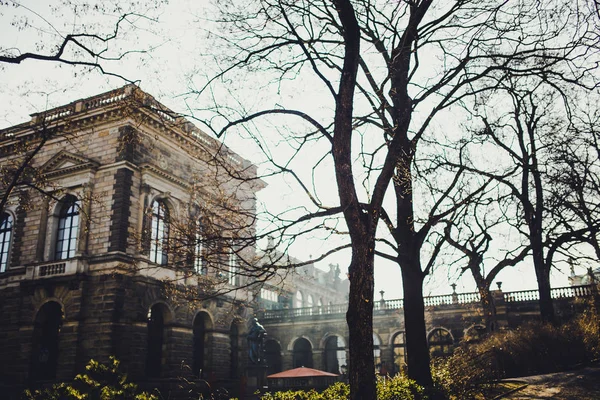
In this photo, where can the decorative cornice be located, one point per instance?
(164, 174)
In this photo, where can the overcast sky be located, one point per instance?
(177, 35)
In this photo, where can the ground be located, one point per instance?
(580, 384)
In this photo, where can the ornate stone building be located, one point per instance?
(129, 232)
(124, 219)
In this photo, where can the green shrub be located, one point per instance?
(100, 382)
(398, 387)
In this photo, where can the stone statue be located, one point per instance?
(256, 339)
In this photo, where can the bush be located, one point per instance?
(398, 387)
(534, 348)
(100, 382)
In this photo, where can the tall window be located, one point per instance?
(6, 223)
(68, 226)
(234, 269)
(199, 260)
(159, 234)
(399, 350)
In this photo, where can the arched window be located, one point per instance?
(299, 300)
(67, 229)
(234, 347)
(159, 233)
(6, 224)
(199, 332)
(273, 357)
(440, 342)
(377, 351)
(156, 328)
(44, 355)
(335, 355)
(475, 333)
(320, 306)
(399, 352)
(302, 355)
(309, 304)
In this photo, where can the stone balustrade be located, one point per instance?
(447, 300)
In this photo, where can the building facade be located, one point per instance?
(123, 235)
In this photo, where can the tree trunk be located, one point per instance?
(488, 305)
(543, 276)
(360, 322)
(546, 304)
(417, 351)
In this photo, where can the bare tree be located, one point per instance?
(78, 44)
(386, 71)
(83, 46)
(471, 232)
(574, 180)
(522, 123)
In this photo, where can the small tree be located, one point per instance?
(100, 381)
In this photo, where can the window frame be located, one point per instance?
(159, 232)
(68, 214)
(233, 268)
(440, 342)
(6, 236)
(200, 264)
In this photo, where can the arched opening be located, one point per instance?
(440, 342)
(199, 333)
(377, 352)
(44, 355)
(335, 354)
(309, 304)
(234, 347)
(475, 334)
(302, 355)
(299, 300)
(273, 357)
(67, 228)
(157, 316)
(399, 352)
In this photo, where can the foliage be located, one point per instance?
(588, 327)
(534, 348)
(465, 374)
(101, 382)
(398, 387)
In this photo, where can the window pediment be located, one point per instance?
(63, 163)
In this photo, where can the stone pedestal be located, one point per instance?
(256, 379)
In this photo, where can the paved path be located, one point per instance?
(582, 384)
